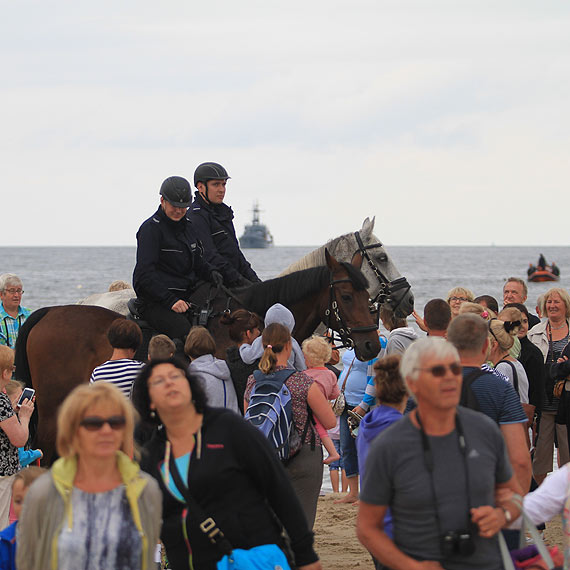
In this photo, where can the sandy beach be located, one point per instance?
(339, 549)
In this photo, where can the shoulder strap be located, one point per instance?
(207, 524)
(515, 375)
(468, 399)
(347, 375)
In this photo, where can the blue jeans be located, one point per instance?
(348, 446)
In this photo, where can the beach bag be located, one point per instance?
(534, 557)
(264, 557)
(270, 410)
(339, 404)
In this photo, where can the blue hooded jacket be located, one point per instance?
(8, 547)
(372, 424)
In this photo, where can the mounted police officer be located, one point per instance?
(213, 222)
(169, 261)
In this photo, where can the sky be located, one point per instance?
(448, 121)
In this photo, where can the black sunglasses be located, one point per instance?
(439, 369)
(95, 423)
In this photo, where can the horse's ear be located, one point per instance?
(367, 226)
(332, 263)
(357, 260)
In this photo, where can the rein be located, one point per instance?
(387, 287)
(344, 331)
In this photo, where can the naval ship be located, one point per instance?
(256, 234)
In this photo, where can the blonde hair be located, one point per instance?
(503, 331)
(28, 475)
(477, 309)
(317, 350)
(13, 387)
(6, 358)
(73, 409)
(161, 347)
(460, 292)
(274, 338)
(563, 295)
(119, 285)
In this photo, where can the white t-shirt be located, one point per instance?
(522, 378)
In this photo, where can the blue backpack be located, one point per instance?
(270, 410)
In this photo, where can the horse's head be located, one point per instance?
(386, 284)
(347, 309)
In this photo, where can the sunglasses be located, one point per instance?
(95, 423)
(439, 369)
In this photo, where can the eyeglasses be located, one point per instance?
(95, 423)
(162, 379)
(439, 369)
(458, 299)
(14, 291)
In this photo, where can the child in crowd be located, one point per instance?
(14, 390)
(317, 352)
(161, 347)
(275, 314)
(20, 486)
(213, 373)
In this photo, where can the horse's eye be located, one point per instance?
(346, 298)
(383, 257)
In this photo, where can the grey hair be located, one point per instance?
(435, 347)
(7, 279)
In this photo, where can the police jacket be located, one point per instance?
(169, 260)
(215, 229)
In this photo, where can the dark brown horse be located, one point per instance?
(58, 347)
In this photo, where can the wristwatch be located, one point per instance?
(507, 513)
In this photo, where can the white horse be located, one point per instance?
(385, 283)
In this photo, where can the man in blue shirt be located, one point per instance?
(495, 398)
(12, 314)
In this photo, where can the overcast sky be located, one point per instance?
(447, 120)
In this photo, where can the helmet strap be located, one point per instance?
(205, 193)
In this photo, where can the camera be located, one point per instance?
(457, 542)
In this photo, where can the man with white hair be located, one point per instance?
(437, 469)
(12, 314)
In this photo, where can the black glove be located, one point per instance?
(217, 278)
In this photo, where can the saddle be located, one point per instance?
(201, 303)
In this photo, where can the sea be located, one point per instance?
(65, 275)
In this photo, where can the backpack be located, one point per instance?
(468, 398)
(270, 410)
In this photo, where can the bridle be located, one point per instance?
(387, 287)
(332, 312)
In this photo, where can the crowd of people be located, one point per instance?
(442, 439)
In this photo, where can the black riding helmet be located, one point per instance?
(210, 171)
(177, 191)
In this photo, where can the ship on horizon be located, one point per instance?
(256, 234)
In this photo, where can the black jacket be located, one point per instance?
(533, 363)
(239, 482)
(169, 260)
(215, 229)
(240, 372)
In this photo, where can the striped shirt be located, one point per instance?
(121, 373)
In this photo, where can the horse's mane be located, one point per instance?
(293, 287)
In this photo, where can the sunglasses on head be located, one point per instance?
(95, 423)
(439, 369)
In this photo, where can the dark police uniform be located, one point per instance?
(169, 263)
(215, 229)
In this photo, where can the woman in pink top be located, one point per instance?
(317, 352)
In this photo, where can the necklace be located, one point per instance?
(557, 328)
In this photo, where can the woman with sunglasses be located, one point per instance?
(95, 508)
(210, 462)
